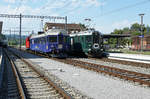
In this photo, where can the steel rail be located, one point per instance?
(116, 72)
(120, 73)
(57, 88)
(143, 79)
(1, 70)
(125, 62)
(19, 85)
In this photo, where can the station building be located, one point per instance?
(137, 43)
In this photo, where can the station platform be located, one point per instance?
(131, 57)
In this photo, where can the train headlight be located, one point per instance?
(96, 46)
(89, 50)
(60, 46)
(46, 47)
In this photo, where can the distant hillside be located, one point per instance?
(15, 36)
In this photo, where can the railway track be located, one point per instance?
(11, 85)
(41, 85)
(143, 79)
(34, 85)
(137, 64)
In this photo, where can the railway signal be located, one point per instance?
(142, 35)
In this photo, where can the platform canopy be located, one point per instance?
(115, 35)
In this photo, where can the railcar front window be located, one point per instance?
(95, 37)
(52, 39)
(60, 39)
(88, 39)
(65, 39)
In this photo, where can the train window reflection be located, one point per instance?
(65, 39)
(88, 38)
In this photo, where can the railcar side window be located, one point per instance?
(88, 39)
(35, 41)
(43, 40)
(53, 39)
(82, 38)
(78, 39)
(32, 41)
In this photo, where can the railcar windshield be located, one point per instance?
(60, 38)
(88, 39)
(53, 39)
(96, 37)
(65, 39)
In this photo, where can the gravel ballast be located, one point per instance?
(95, 85)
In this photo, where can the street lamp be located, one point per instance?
(141, 15)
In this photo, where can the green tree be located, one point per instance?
(147, 30)
(117, 31)
(126, 30)
(135, 27)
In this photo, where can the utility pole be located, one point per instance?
(20, 31)
(142, 34)
(9, 37)
(66, 23)
(42, 28)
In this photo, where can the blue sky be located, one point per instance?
(105, 15)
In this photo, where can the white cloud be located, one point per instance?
(104, 30)
(49, 8)
(10, 1)
(116, 25)
(30, 24)
(121, 24)
(93, 2)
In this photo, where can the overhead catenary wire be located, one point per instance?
(126, 7)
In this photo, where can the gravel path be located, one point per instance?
(121, 66)
(95, 85)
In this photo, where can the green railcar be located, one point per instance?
(89, 43)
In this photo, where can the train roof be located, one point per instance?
(50, 32)
(88, 32)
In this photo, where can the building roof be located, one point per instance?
(50, 32)
(62, 26)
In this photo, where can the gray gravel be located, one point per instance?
(95, 85)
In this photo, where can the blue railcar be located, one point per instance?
(53, 42)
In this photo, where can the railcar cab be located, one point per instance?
(50, 42)
(97, 46)
(97, 40)
(57, 42)
(27, 42)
